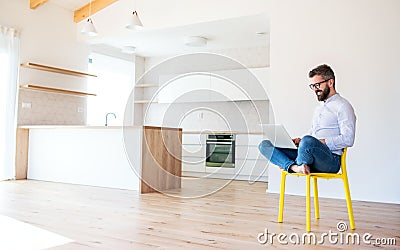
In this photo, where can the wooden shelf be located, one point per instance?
(55, 90)
(55, 70)
(147, 86)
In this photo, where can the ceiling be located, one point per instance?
(231, 33)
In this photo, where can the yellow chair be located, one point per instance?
(315, 176)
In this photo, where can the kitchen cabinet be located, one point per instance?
(184, 88)
(214, 86)
(193, 153)
(259, 83)
(229, 85)
(249, 163)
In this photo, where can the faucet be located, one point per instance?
(107, 117)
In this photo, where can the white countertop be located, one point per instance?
(222, 132)
(74, 127)
(121, 127)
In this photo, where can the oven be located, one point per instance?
(220, 150)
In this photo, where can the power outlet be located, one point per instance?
(80, 110)
(26, 105)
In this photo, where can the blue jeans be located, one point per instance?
(311, 152)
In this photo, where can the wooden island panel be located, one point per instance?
(161, 159)
(21, 154)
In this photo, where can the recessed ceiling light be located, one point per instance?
(195, 41)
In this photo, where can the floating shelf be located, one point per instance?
(145, 101)
(55, 90)
(54, 69)
(147, 86)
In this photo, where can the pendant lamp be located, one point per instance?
(88, 28)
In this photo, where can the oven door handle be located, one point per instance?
(215, 142)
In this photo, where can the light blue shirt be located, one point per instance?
(334, 120)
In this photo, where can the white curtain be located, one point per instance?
(9, 65)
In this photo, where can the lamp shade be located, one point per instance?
(135, 23)
(89, 29)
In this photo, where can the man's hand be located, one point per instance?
(296, 141)
(322, 140)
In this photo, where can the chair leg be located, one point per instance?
(308, 206)
(282, 196)
(316, 203)
(349, 203)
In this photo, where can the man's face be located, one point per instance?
(322, 91)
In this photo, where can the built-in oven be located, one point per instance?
(220, 150)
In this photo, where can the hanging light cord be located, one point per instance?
(90, 8)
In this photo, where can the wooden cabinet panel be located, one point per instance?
(21, 157)
(161, 159)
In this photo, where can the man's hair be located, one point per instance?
(324, 71)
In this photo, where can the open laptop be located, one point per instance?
(278, 136)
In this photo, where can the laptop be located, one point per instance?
(278, 136)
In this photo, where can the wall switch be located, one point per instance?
(26, 105)
(80, 109)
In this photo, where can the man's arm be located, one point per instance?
(347, 127)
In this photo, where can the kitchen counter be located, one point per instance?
(73, 127)
(125, 157)
(222, 132)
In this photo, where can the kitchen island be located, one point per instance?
(114, 157)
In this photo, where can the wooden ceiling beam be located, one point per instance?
(97, 5)
(36, 3)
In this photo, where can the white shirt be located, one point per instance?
(334, 120)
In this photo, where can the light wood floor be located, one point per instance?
(102, 218)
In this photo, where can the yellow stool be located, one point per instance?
(315, 176)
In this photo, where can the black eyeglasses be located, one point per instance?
(318, 84)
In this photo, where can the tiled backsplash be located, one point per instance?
(45, 108)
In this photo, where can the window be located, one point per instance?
(112, 86)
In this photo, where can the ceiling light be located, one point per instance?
(195, 41)
(88, 27)
(128, 49)
(135, 23)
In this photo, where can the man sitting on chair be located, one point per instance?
(333, 129)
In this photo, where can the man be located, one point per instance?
(333, 129)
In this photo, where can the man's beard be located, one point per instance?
(324, 94)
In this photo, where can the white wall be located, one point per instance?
(361, 41)
(48, 36)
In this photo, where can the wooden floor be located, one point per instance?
(102, 218)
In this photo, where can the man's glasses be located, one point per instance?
(317, 85)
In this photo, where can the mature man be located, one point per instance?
(333, 129)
